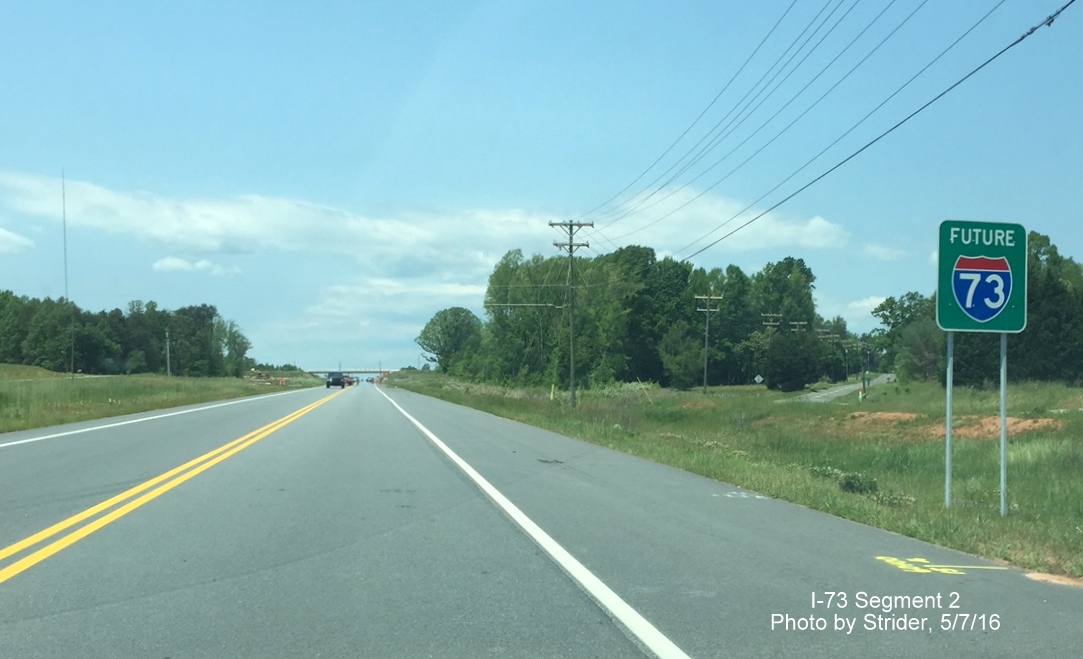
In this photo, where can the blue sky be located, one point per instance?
(331, 174)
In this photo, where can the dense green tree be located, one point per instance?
(232, 345)
(682, 355)
(57, 335)
(793, 360)
(193, 347)
(919, 352)
(450, 336)
(15, 315)
(523, 302)
(136, 362)
(49, 334)
(786, 288)
(146, 327)
(896, 314)
(1051, 345)
(637, 317)
(97, 348)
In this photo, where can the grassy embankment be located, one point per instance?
(879, 462)
(31, 397)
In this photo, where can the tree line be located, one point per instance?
(638, 317)
(57, 335)
(1049, 348)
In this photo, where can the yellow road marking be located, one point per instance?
(923, 566)
(178, 475)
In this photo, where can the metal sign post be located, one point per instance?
(981, 287)
(947, 423)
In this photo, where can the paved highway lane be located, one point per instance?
(341, 534)
(711, 565)
(348, 531)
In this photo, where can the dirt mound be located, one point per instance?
(878, 418)
(988, 427)
(965, 427)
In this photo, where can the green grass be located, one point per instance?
(32, 397)
(884, 469)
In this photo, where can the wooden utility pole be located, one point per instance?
(571, 228)
(706, 330)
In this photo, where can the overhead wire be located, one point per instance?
(692, 125)
(783, 131)
(1047, 22)
(790, 125)
(748, 112)
(743, 113)
(596, 234)
(695, 146)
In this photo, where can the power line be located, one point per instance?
(1047, 22)
(743, 113)
(840, 137)
(786, 129)
(694, 122)
(736, 108)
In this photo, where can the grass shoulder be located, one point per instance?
(878, 460)
(31, 397)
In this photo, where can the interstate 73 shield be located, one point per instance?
(982, 286)
(981, 277)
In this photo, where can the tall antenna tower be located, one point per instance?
(64, 217)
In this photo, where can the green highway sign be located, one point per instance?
(981, 277)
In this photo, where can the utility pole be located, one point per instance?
(571, 245)
(706, 330)
(168, 363)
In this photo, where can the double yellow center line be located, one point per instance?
(135, 497)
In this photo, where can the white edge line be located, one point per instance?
(648, 634)
(146, 418)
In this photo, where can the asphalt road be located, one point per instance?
(373, 523)
(828, 395)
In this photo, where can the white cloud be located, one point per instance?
(402, 269)
(865, 305)
(403, 296)
(882, 253)
(460, 244)
(682, 224)
(175, 264)
(10, 242)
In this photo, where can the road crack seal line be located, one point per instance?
(161, 484)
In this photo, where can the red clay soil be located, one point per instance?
(968, 427)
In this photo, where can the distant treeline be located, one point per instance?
(57, 335)
(640, 318)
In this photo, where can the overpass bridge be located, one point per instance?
(322, 372)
